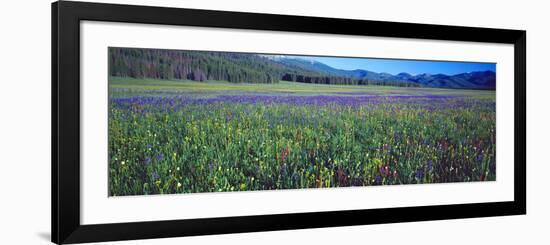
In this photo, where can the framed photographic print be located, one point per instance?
(175, 122)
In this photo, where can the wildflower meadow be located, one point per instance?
(168, 136)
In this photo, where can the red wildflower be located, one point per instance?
(284, 154)
(384, 171)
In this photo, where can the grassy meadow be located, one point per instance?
(188, 136)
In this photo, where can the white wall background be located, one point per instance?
(25, 121)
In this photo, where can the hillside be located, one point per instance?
(254, 68)
(473, 80)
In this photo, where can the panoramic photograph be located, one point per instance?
(187, 121)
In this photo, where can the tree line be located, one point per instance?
(191, 65)
(223, 66)
(343, 80)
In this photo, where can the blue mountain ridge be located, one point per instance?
(470, 80)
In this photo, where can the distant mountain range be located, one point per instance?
(471, 80)
(257, 68)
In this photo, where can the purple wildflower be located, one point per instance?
(378, 180)
(147, 161)
(155, 176)
(329, 165)
(480, 157)
(159, 157)
(419, 174)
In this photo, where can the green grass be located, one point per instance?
(185, 86)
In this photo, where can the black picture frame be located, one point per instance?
(66, 18)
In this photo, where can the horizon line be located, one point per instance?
(303, 57)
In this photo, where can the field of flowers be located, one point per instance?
(188, 137)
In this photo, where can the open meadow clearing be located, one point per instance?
(168, 136)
